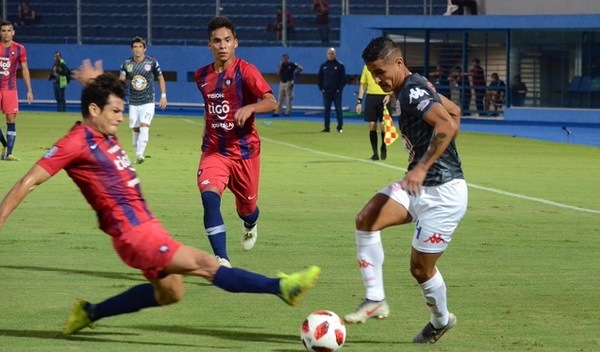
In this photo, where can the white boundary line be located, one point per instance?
(370, 162)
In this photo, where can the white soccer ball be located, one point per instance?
(323, 331)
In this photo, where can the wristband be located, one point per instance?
(163, 95)
(359, 101)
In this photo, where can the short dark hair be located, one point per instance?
(98, 90)
(220, 22)
(380, 48)
(6, 23)
(138, 40)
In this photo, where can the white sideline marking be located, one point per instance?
(370, 162)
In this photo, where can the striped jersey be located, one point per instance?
(140, 77)
(415, 97)
(10, 58)
(224, 93)
(102, 171)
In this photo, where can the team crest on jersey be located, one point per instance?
(228, 82)
(139, 82)
(129, 67)
(50, 152)
(148, 67)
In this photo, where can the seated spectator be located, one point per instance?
(495, 94)
(277, 25)
(25, 14)
(518, 91)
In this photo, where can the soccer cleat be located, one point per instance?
(293, 287)
(249, 237)
(429, 334)
(375, 157)
(78, 319)
(11, 158)
(3, 153)
(223, 261)
(383, 154)
(139, 159)
(340, 130)
(368, 309)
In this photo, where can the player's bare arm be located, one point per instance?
(34, 177)
(163, 92)
(27, 81)
(267, 104)
(453, 110)
(445, 128)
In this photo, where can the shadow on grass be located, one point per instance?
(133, 276)
(89, 336)
(233, 333)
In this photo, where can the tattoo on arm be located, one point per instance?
(437, 140)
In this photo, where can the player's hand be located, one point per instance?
(358, 108)
(86, 71)
(29, 97)
(163, 103)
(413, 180)
(242, 114)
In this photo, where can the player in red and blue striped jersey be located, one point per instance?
(12, 54)
(234, 91)
(91, 155)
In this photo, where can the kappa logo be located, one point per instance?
(416, 93)
(436, 238)
(363, 264)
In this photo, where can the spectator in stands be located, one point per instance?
(321, 9)
(518, 91)
(441, 81)
(287, 72)
(496, 94)
(331, 80)
(277, 25)
(459, 6)
(477, 75)
(26, 14)
(461, 80)
(60, 75)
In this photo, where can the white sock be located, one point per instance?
(134, 139)
(434, 294)
(142, 141)
(370, 261)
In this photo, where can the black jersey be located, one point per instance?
(416, 96)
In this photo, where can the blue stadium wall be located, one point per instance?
(356, 31)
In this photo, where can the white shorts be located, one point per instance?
(436, 211)
(139, 114)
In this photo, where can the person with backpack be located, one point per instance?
(60, 76)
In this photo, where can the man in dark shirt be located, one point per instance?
(432, 193)
(331, 80)
(287, 73)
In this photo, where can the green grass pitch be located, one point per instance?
(522, 270)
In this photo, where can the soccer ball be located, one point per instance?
(323, 331)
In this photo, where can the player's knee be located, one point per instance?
(171, 293)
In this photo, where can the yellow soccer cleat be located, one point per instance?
(294, 286)
(78, 319)
(11, 158)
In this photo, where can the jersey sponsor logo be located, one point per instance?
(4, 66)
(423, 104)
(416, 93)
(220, 109)
(50, 152)
(139, 82)
(215, 95)
(227, 126)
